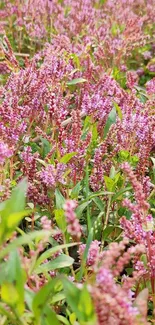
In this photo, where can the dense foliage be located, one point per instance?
(77, 162)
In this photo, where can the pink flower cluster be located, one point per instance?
(93, 253)
(73, 228)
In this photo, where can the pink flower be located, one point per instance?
(73, 228)
(5, 152)
(93, 253)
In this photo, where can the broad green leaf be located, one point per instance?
(15, 277)
(66, 158)
(3, 272)
(118, 109)
(49, 317)
(81, 208)
(63, 320)
(58, 297)
(124, 155)
(17, 201)
(85, 304)
(46, 147)
(60, 219)
(58, 263)
(12, 210)
(72, 294)
(79, 300)
(42, 162)
(94, 133)
(99, 203)
(87, 123)
(112, 172)
(48, 253)
(23, 240)
(76, 81)
(14, 218)
(107, 231)
(75, 191)
(97, 228)
(9, 293)
(114, 29)
(109, 183)
(60, 200)
(41, 298)
(134, 161)
(29, 297)
(111, 120)
(76, 60)
(118, 195)
(72, 318)
(116, 178)
(96, 194)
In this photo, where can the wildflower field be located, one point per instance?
(77, 162)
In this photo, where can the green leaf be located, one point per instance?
(66, 158)
(85, 305)
(107, 231)
(58, 263)
(76, 61)
(14, 218)
(109, 183)
(52, 251)
(118, 109)
(3, 272)
(88, 243)
(60, 219)
(29, 296)
(79, 300)
(63, 320)
(12, 210)
(99, 203)
(112, 172)
(124, 155)
(97, 229)
(85, 254)
(100, 193)
(76, 81)
(40, 301)
(81, 208)
(49, 317)
(111, 120)
(72, 295)
(15, 273)
(58, 297)
(60, 200)
(75, 191)
(94, 133)
(42, 162)
(17, 201)
(9, 293)
(23, 240)
(89, 221)
(9, 316)
(46, 147)
(118, 195)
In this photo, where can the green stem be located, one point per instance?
(108, 211)
(87, 195)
